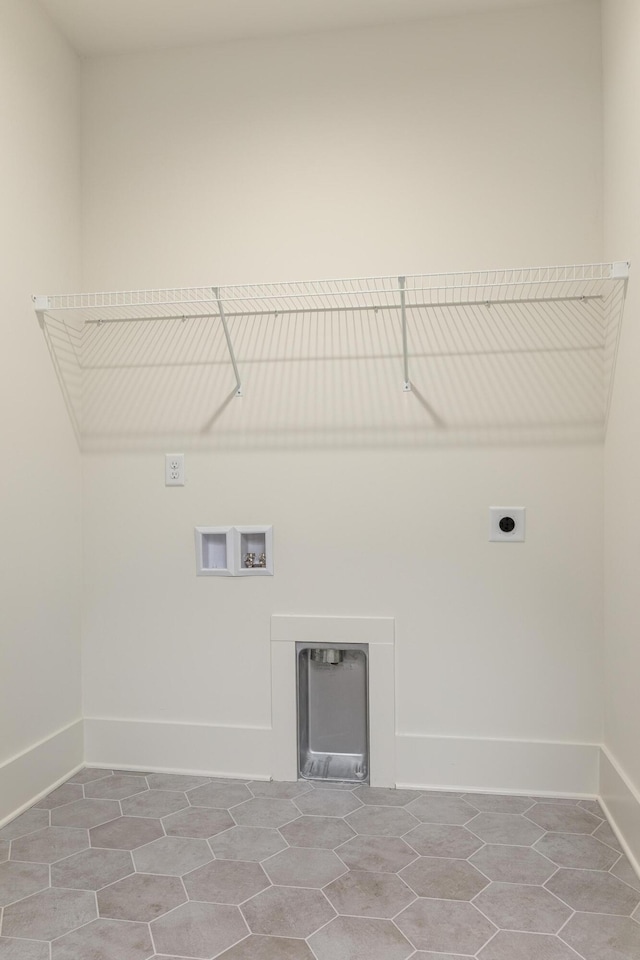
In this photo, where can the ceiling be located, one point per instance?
(99, 27)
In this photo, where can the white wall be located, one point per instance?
(460, 143)
(463, 143)
(621, 767)
(40, 489)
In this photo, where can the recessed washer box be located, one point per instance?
(506, 524)
(215, 551)
(234, 551)
(254, 551)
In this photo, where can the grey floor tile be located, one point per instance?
(126, 833)
(279, 790)
(48, 914)
(443, 840)
(523, 907)
(624, 871)
(443, 794)
(105, 940)
(268, 948)
(513, 864)
(88, 774)
(142, 897)
(310, 873)
(507, 945)
(197, 822)
(438, 809)
(131, 773)
(265, 812)
(173, 856)
(606, 835)
(360, 893)
(23, 949)
(327, 803)
(175, 781)
(26, 823)
(327, 832)
(445, 926)
(565, 801)
(382, 821)
(4, 850)
(386, 797)
(498, 803)
(576, 850)
(562, 819)
(219, 795)
(18, 880)
(201, 930)
(444, 879)
(287, 912)
(49, 844)
(85, 813)
(300, 867)
(357, 938)
(116, 787)
(509, 828)
(603, 938)
(436, 956)
(154, 803)
(376, 854)
(226, 881)
(91, 869)
(593, 807)
(594, 891)
(247, 843)
(64, 794)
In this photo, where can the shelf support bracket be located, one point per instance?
(225, 327)
(402, 282)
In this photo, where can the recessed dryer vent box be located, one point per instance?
(254, 551)
(506, 524)
(215, 553)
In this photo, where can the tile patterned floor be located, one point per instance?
(121, 866)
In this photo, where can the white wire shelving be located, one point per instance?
(550, 330)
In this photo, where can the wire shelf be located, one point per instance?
(150, 362)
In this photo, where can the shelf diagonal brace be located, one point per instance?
(232, 355)
(402, 283)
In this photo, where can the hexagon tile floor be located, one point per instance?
(123, 866)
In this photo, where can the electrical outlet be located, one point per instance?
(506, 524)
(174, 470)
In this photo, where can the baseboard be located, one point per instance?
(512, 766)
(621, 802)
(195, 748)
(498, 766)
(34, 772)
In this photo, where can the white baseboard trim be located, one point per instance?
(422, 762)
(33, 773)
(621, 803)
(167, 747)
(497, 766)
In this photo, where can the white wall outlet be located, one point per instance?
(506, 524)
(174, 470)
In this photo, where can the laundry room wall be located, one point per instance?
(620, 768)
(454, 144)
(40, 487)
